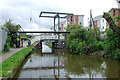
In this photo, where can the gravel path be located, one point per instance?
(11, 52)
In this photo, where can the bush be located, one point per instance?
(7, 44)
(112, 44)
(82, 41)
(7, 47)
(100, 46)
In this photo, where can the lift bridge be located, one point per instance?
(56, 33)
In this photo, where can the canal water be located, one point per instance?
(59, 63)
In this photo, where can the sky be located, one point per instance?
(20, 11)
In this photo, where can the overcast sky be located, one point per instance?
(20, 11)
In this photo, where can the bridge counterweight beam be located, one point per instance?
(54, 24)
(58, 26)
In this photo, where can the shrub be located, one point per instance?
(7, 47)
(7, 44)
(82, 41)
(112, 44)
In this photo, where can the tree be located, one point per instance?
(12, 28)
(113, 26)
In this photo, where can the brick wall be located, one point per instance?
(117, 13)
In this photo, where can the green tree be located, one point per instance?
(81, 41)
(12, 28)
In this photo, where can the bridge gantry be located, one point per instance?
(52, 38)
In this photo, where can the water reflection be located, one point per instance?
(61, 64)
(91, 67)
(45, 48)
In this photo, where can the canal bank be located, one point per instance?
(11, 65)
(61, 64)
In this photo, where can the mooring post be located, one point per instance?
(58, 26)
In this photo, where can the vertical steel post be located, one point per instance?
(58, 26)
(54, 24)
(18, 40)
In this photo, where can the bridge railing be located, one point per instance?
(41, 37)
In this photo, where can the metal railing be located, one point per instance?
(41, 37)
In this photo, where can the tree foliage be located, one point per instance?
(12, 28)
(112, 44)
(82, 41)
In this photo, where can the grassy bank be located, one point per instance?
(49, 44)
(14, 61)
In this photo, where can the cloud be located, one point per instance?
(20, 11)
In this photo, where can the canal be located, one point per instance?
(59, 63)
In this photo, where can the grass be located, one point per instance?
(49, 44)
(7, 66)
(1, 53)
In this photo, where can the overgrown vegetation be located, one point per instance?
(12, 62)
(81, 41)
(11, 38)
(112, 44)
(12, 27)
(7, 44)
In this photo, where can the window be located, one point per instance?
(103, 20)
(75, 18)
(80, 23)
(114, 12)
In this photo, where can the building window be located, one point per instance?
(80, 23)
(76, 18)
(103, 20)
(114, 12)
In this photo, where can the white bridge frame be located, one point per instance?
(46, 37)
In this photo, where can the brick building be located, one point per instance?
(76, 19)
(115, 12)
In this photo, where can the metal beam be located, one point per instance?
(54, 24)
(58, 26)
(41, 32)
(56, 13)
(56, 16)
(51, 16)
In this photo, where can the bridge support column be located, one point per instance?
(40, 44)
(53, 45)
